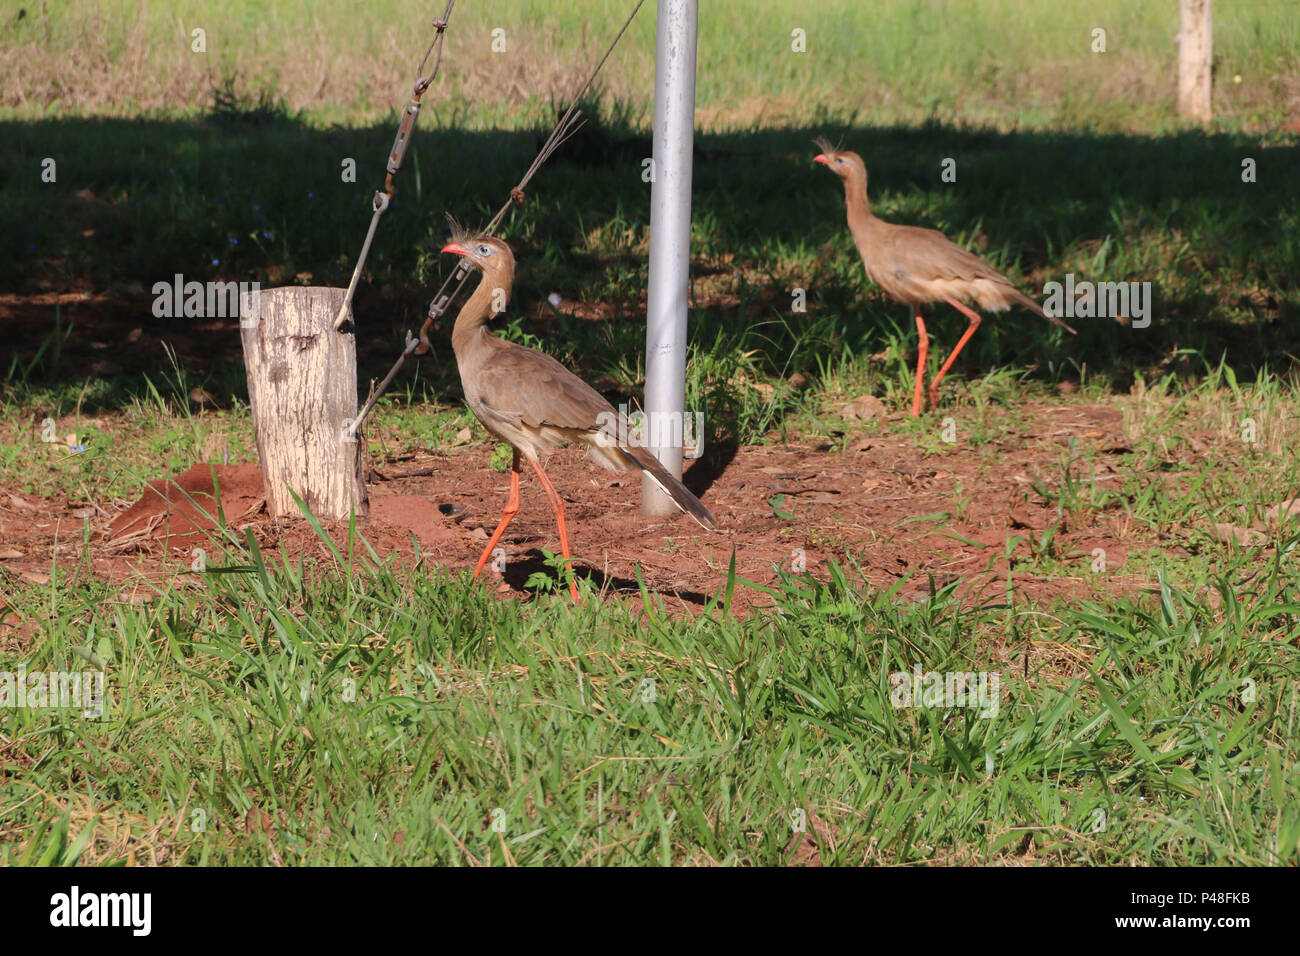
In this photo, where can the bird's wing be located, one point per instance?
(927, 260)
(925, 255)
(529, 387)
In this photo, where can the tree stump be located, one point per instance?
(302, 384)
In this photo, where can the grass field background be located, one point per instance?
(1000, 62)
(355, 710)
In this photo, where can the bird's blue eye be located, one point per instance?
(484, 249)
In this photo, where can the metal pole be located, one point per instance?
(670, 244)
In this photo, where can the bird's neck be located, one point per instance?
(493, 290)
(861, 218)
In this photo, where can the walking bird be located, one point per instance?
(528, 399)
(914, 266)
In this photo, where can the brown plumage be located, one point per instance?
(530, 400)
(913, 265)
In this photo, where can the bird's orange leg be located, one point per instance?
(557, 506)
(507, 515)
(961, 343)
(923, 350)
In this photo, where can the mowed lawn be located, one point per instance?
(351, 705)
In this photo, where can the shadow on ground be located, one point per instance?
(137, 202)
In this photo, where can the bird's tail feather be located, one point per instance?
(671, 486)
(1033, 306)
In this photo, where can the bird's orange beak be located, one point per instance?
(453, 247)
(821, 158)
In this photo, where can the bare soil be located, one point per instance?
(863, 497)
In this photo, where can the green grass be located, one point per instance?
(1012, 62)
(377, 714)
(353, 704)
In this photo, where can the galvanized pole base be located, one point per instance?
(670, 244)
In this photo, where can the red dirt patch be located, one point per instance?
(406, 515)
(187, 504)
(892, 507)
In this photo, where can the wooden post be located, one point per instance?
(302, 383)
(1194, 53)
